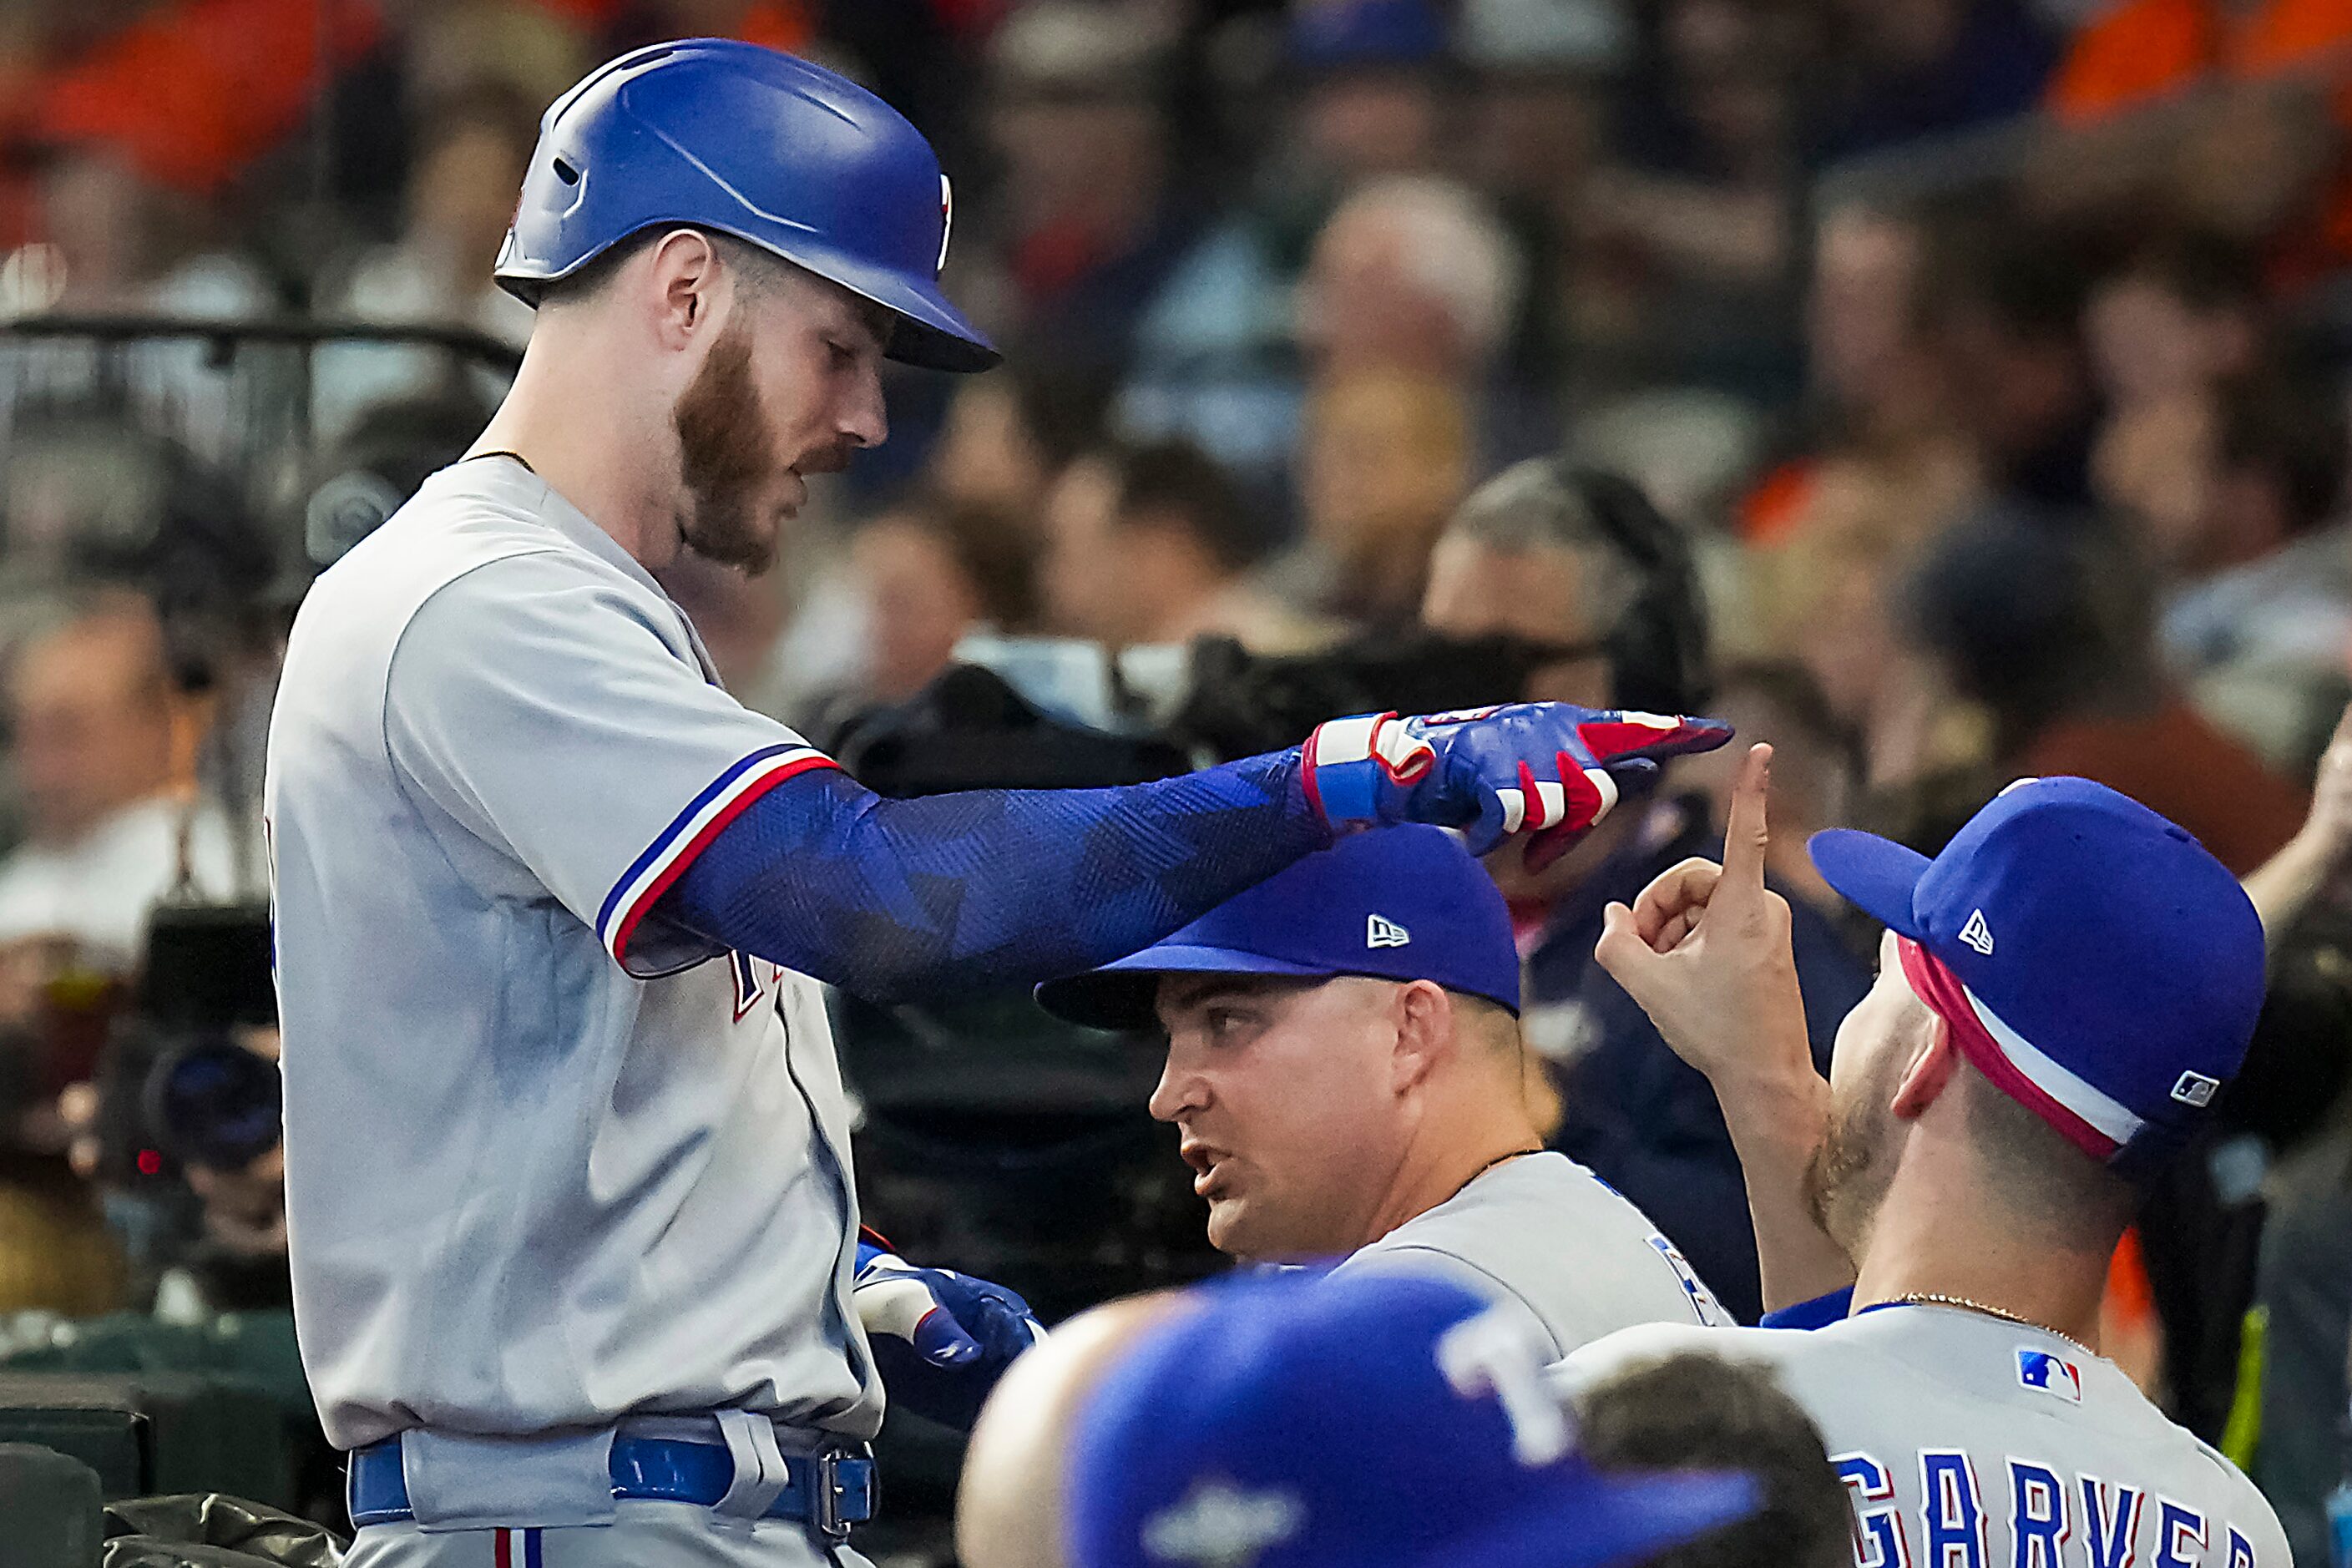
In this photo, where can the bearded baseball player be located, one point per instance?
(574, 1240)
(2061, 993)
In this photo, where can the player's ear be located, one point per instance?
(1932, 1064)
(1427, 1024)
(685, 283)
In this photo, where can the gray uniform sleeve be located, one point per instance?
(540, 706)
(1429, 1261)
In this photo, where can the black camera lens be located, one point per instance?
(214, 1104)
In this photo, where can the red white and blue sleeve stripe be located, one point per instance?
(691, 831)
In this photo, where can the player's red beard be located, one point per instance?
(1849, 1174)
(725, 455)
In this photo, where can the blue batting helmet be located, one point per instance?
(727, 136)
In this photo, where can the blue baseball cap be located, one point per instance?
(1394, 903)
(2091, 957)
(1295, 1421)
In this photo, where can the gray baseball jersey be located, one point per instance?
(548, 1161)
(1545, 1236)
(1965, 1441)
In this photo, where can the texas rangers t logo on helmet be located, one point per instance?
(946, 223)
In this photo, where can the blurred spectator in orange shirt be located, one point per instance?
(2142, 50)
(1876, 384)
(192, 92)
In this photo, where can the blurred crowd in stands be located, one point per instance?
(1984, 365)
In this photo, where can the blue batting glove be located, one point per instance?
(940, 1339)
(1546, 769)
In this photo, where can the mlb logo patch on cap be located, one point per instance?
(2052, 1374)
(2195, 1089)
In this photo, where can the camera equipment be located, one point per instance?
(1242, 703)
(972, 729)
(175, 1086)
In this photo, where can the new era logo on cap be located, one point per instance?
(1977, 934)
(1382, 932)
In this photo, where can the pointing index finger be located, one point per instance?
(1746, 836)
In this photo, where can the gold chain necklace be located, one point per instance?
(1934, 1298)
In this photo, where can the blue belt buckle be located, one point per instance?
(827, 1514)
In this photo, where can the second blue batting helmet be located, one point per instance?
(711, 133)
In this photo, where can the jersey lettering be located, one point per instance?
(1495, 1353)
(2110, 1521)
(754, 979)
(2037, 1516)
(2241, 1551)
(1956, 1518)
(2180, 1535)
(1702, 1302)
(1878, 1539)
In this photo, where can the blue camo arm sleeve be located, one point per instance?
(895, 899)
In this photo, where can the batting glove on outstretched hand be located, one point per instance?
(1546, 769)
(940, 1339)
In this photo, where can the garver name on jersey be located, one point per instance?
(2120, 1526)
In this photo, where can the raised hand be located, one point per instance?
(2284, 887)
(1548, 770)
(2330, 822)
(1705, 951)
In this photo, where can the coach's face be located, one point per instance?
(790, 386)
(1876, 1047)
(1293, 1106)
